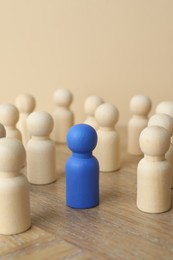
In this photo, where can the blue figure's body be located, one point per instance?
(82, 168)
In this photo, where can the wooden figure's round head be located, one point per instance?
(162, 120)
(154, 141)
(106, 115)
(25, 103)
(40, 123)
(82, 138)
(140, 105)
(2, 131)
(165, 107)
(91, 103)
(63, 97)
(12, 154)
(9, 115)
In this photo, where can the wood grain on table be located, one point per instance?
(115, 229)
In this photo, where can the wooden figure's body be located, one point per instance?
(82, 168)
(23, 128)
(13, 132)
(108, 148)
(14, 189)
(41, 151)
(9, 116)
(169, 158)
(26, 104)
(64, 119)
(2, 131)
(92, 122)
(154, 172)
(63, 116)
(140, 107)
(90, 106)
(135, 126)
(41, 161)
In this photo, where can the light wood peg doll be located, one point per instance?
(90, 106)
(166, 122)
(26, 105)
(14, 189)
(140, 107)
(9, 116)
(41, 151)
(165, 107)
(154, 171)
(63, 115)
(107, 150)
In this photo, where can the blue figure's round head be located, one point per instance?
(81, 138)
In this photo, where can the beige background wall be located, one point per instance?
(111, 48)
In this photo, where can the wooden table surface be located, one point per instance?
(115, 229)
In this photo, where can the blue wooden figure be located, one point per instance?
(82, 168)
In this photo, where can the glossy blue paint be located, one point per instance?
(82, 168)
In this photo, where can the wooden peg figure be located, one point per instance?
(82, 168)
(108, 148)
(2, 131)
(9, 116)
(154, 171)
(63, 115)
(162, 120)
(165, 107)
(14, 189)
(26, 105)
(41, 164)
(166, 122)
(90, 105)
(140, 107)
